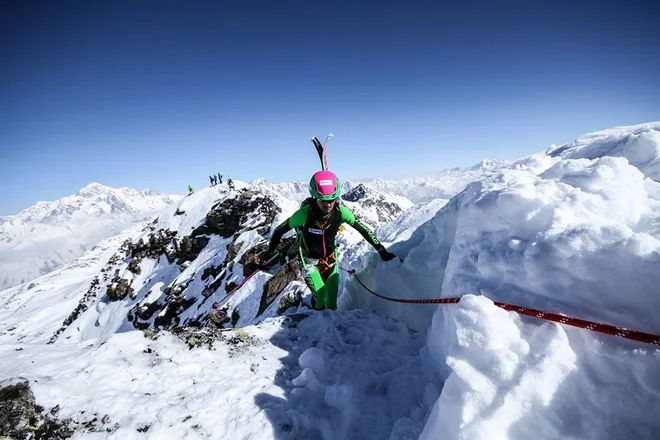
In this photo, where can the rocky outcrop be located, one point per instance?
(229, 216)
(274, 286)
(22, 418)
(119, 288)
(354, 195)
(184, 301)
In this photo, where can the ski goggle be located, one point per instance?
(327, 202)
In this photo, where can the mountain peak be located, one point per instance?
(486, 164)
(93, 189)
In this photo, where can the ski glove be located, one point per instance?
(385, 255)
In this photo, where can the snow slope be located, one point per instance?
(34, 311)
(327, 375)
(49, 235)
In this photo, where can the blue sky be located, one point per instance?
(161, 94)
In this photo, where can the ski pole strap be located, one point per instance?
(635, 335)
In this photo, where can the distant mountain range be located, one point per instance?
(49, 235)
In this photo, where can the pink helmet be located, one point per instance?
(324, 185)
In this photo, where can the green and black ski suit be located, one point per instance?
(316, 240)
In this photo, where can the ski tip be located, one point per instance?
(331, 135)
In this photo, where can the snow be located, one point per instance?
(32, 312)
(570, 235)
(575, 231)
(639, 144)
(50, 235)
(517, 378)
(329, 375)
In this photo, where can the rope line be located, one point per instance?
(635, 335)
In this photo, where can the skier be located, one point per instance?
(219, 178)
(212, 179)
(230, 184)
(317, 222)
(190, 190)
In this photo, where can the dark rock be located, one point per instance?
(146, 311)
(274, 286)
(134, 266)
(22, 418)
(235, 316)
(119, 289)
(219, 317)
(190, 247)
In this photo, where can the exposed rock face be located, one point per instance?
(228, 218)
(274, 286)
(22, 418)
(357, 193)
(119, 288)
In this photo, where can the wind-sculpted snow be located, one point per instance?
(639, 144)
(571, 235)
(516, 378)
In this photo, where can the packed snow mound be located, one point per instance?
(403, 226)
(572, 235)
(49, 235)
(514, 378)
(640, 144)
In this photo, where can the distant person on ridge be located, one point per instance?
(190, 190)
(219, 178)
(212, 179)
(317, 223)
(267, 204)
(230, 184)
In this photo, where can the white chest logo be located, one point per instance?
(315, 231)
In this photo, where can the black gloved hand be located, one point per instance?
(385, 255)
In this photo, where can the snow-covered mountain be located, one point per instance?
(443, 185)
(50, 234)
(574, 230)
(374, 208)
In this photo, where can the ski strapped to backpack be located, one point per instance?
(322, 150)
(264, 265)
